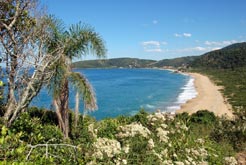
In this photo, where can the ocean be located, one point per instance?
(126, 91)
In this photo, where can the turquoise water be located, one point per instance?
(126, 91)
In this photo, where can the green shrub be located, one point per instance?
(51, 134)
(231, 132)
(203, 117)
(30, 127)
(12, 148)
(45, 116)
(141, 117)
(107, 128)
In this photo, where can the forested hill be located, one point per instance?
(176, 62)
(230, 57)
(134, 63)
(114, 63)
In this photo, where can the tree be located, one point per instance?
(25, 34)
(79, 40)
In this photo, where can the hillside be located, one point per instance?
(230, 57)
(134, 63)
(227, 68)
(114, 63)
(176, 62)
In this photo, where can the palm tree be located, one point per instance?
(79, 40)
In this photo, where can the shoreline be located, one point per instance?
(208, 98)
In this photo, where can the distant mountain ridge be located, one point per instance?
(134, 63)
(114, 63)
(229, 57)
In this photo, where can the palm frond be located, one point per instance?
(85, 90)
(56, 33)
(61, 70)
(82, 40)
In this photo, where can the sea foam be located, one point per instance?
(189, 92)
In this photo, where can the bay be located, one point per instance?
(126, 91)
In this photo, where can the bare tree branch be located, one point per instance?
(47, 146)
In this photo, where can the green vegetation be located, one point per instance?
(74, 43)
(134, 63)
(141, 139)
(231, 57)
(114, 63)
(227, 68)
(38, 136)
(176, 62)
(44, 59)
(233, 83)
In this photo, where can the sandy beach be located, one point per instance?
(209, 98)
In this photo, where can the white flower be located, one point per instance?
(195, 152)
(203, 152)
(201, 141)
(124, 161)
(179, 163)
(162, 134)
(106, 146)
(169, 145)
(164, 126)
(170, 117)
(164, 153)
(158, 116)
(187, 162)
(230, 161)
(167, 162)
(187, 150)
(151, 144)
(126, 149)
(132, 130)
(92, 130)
(190, 159)
(203, 163)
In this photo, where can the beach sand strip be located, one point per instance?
(208, 98)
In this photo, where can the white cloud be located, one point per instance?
(153, 46)
(183, 35)
(216, 48)
(220, 43)
(155, 43)
(155, 22)
(177, 35)
(192, 49)
(186, 34)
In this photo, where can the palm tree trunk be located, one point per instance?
(61, 105)
(76, 109)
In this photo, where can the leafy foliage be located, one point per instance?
(166, 138)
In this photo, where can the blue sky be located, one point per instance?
(157, 29)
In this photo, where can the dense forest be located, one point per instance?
(230, 57)
(37, 51)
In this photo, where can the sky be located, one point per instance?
(157, 29)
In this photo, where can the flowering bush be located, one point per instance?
(158, 138)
